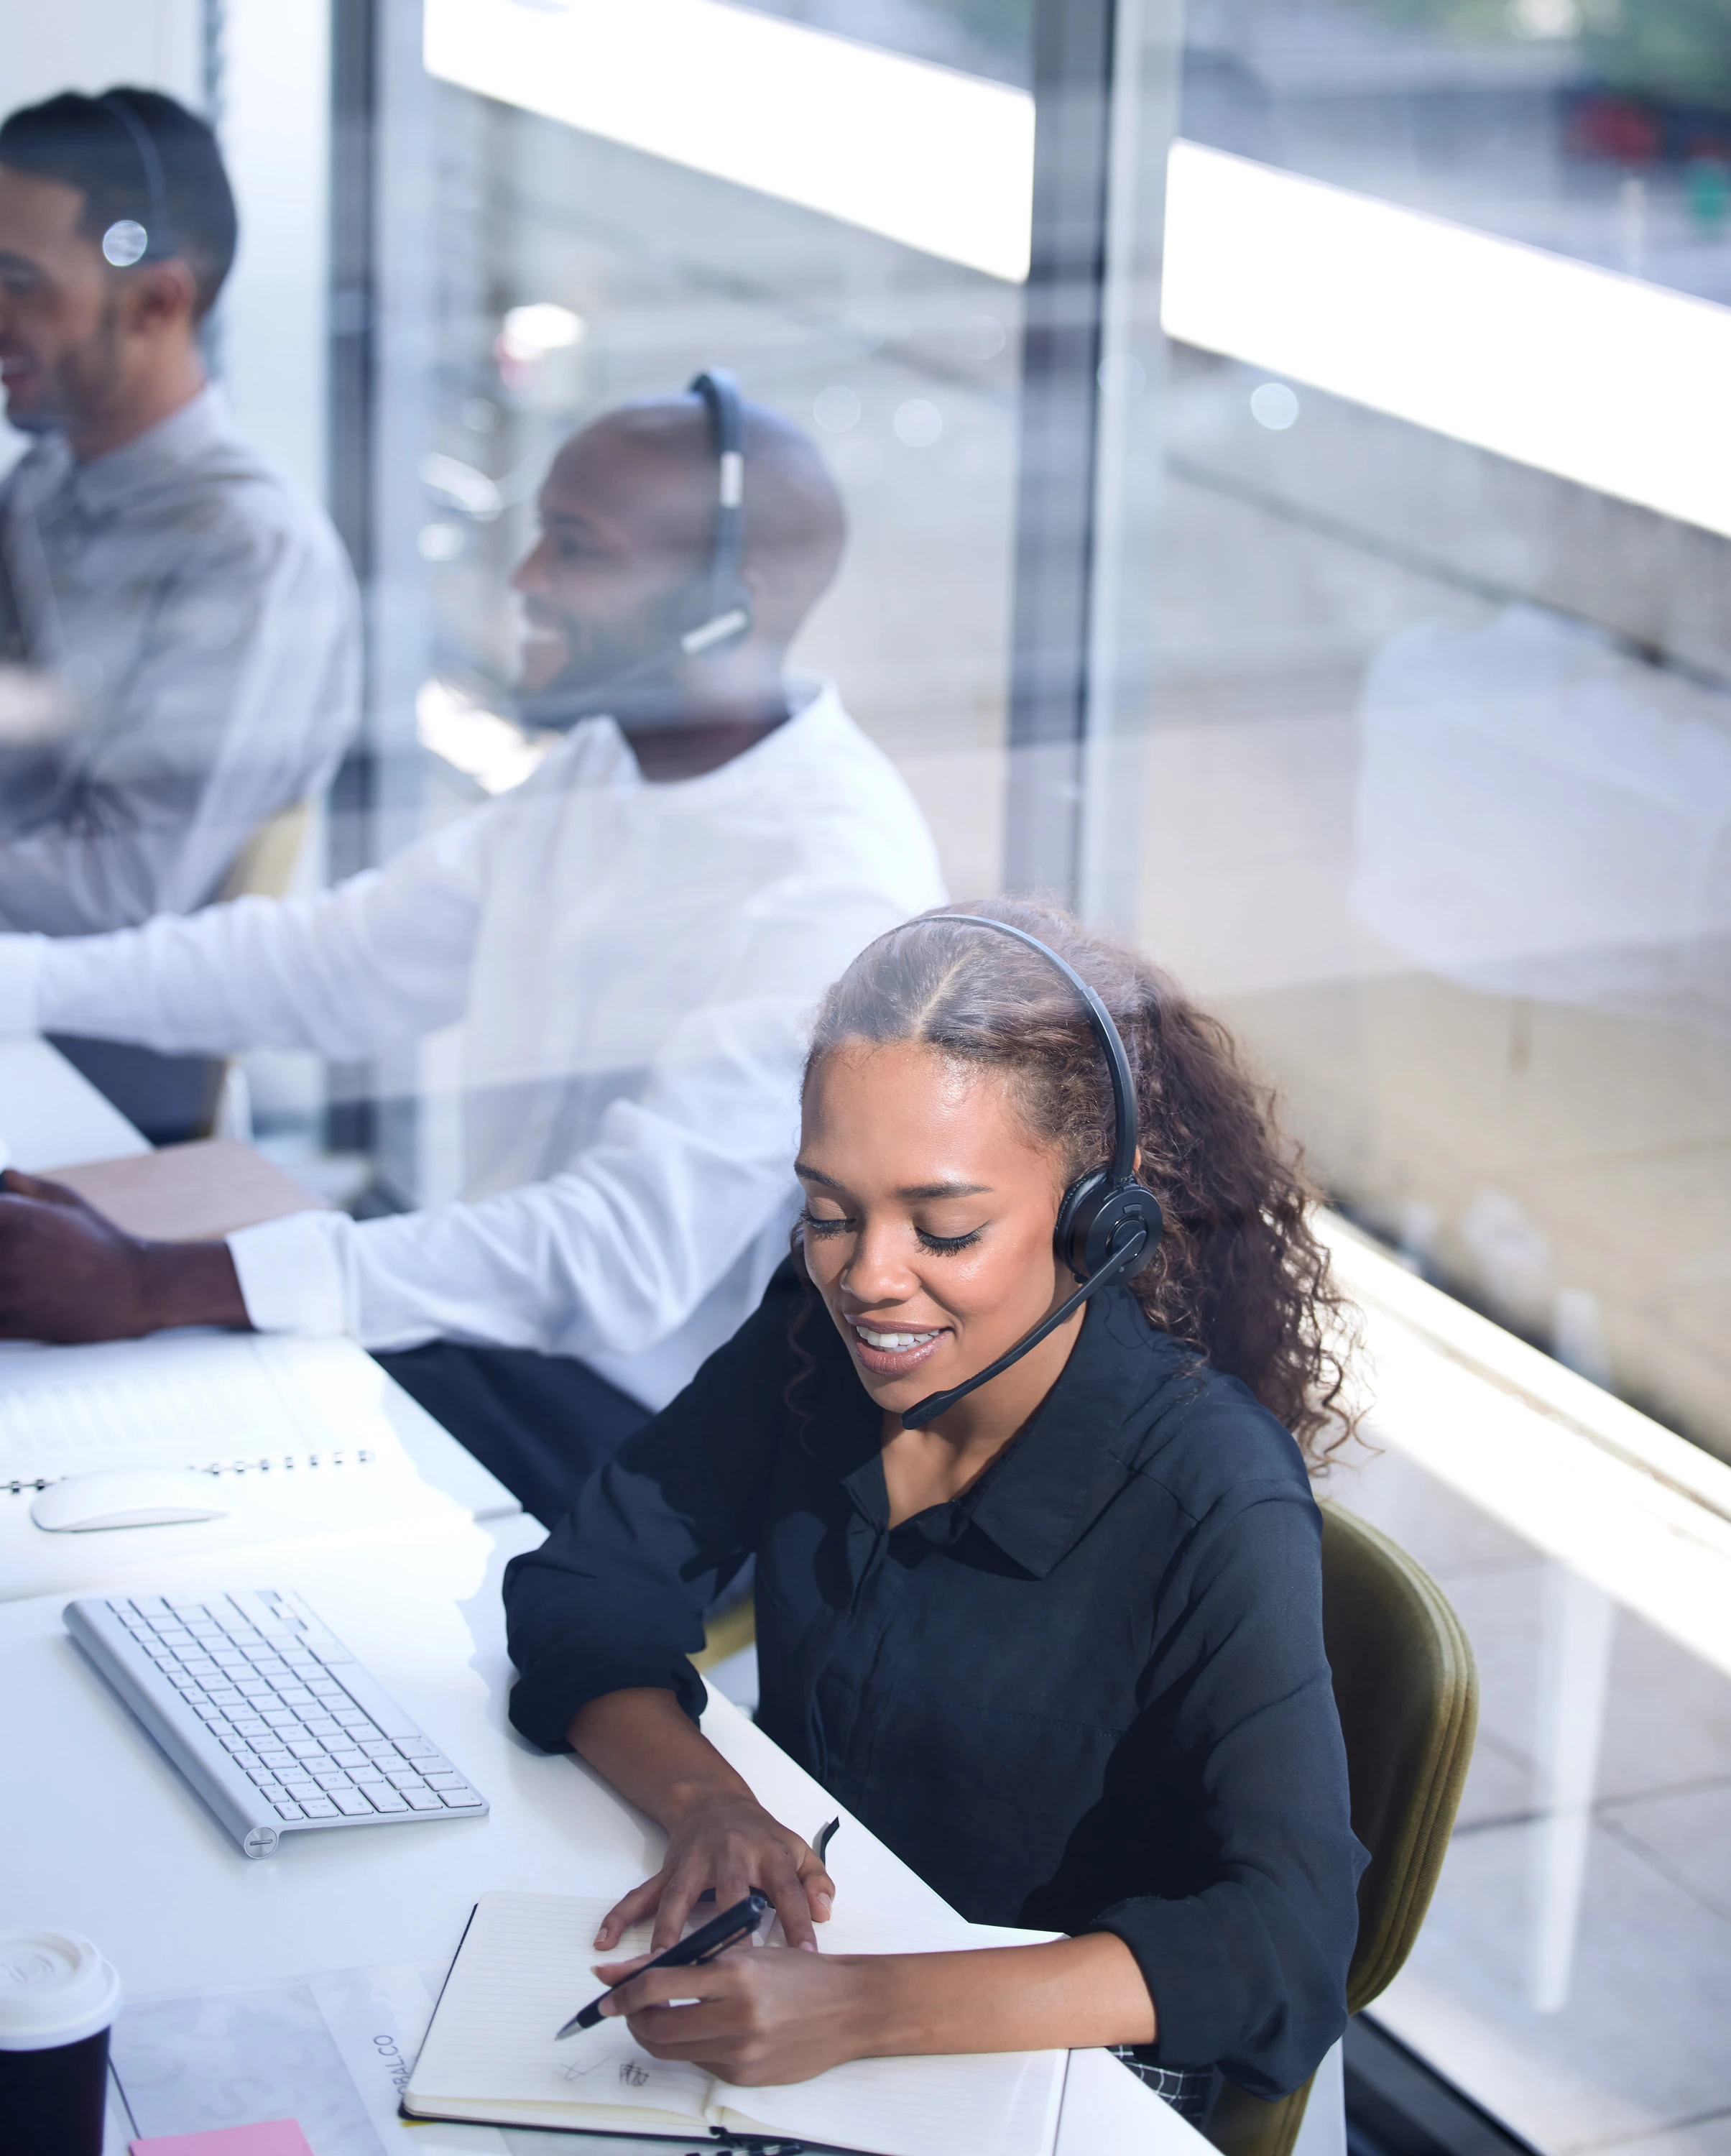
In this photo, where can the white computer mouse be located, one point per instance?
(127, 1497)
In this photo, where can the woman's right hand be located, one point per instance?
(725, 1841)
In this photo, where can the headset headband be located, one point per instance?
(1105, 1031)
(120, 243)
(720, 393)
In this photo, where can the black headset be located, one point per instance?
(126, 241)
(725, 615)
(719, 616)
(1109, 1223)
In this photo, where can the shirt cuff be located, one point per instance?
(294, 1273)
(1198, 1994)
(20, 972)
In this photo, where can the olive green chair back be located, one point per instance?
(1408, 1694)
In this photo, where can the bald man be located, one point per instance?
(634, 938)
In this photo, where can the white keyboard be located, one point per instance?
(268, 1715)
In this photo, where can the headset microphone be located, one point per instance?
(722, 616)
(1109, 1223)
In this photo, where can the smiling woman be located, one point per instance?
(1059, 1645)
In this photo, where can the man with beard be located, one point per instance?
(178, 627)
(634, 937)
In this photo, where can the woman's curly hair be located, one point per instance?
(1238, 1274)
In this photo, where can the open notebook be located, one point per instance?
(526, 1964)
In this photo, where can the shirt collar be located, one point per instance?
(1043, 1491)
(161, 453)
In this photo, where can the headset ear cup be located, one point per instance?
(1094, 1218)
(1076, 1217)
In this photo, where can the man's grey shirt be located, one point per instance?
(197, 622)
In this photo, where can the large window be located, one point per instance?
(1441, 765)
(1437, 810)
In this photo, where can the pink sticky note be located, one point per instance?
(277, 2137)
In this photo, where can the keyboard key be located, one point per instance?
(403, 1777)
(249, 1725)
(416, 1748)
(367, 1777)
(347, 1755)
(460, 1799)
(330, 1779)
(300, 1787)
(443, 1779)
(287, 1810)
(425, 1799)
(387, 1800)
(320, 1808)
(223, 1695)
(352, 1804)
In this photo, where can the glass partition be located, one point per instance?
(1439, 807)
(561, 233)
(1436, 808)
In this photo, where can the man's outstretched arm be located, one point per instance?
(68, 1274)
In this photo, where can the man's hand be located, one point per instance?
(68, 1273)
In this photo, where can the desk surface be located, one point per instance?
(121, 1849)
(51, 1115)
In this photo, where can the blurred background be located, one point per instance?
(1289, 454)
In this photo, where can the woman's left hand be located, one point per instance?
(763, 2013)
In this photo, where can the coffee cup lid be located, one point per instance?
(55, 1988)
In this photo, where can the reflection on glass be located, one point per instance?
(1441, 772)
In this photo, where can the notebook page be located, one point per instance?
(202, 1402)
(524, 1967)
(1007, 2101)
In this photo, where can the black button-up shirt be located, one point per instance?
(1089, 1694)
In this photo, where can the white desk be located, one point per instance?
(51, 1115)
(103, 1836)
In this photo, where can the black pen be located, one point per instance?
(826, 1835)
(715, 1937)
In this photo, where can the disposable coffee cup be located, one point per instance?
(58, 2001)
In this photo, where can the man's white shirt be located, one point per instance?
(636, 966)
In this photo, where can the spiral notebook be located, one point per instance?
(525, 1963)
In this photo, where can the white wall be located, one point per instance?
(276, 138)
(92, 44)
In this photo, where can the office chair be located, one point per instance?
(1407, 1691)
(265, 867)
(727, 1631)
